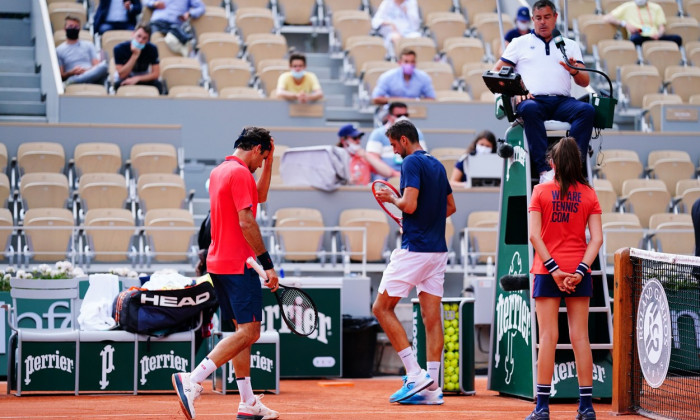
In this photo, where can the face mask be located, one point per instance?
(353, 148)
(298, 74)
(641, 3)
(482, 150)
(137, 45)
(72, 33)
(522, 26)
(407, 68)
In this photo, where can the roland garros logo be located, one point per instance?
(654, 333)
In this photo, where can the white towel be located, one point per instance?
(96, 310)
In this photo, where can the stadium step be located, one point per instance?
(20, 80)
(15, 28)
(36, 108)
(20, 94)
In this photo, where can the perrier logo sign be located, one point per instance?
(34, 364)
(162, 361)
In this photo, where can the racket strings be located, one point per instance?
(390, 207)
(299, 311)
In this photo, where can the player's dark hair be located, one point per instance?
(540, 4)
(297, 56)
(253, 136)
(486, 134)
(403, 128)
(567, 165)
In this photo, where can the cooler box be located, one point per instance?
(107, 361)
(264, 366)
(157, 358)
(458, 355)
(45, 362)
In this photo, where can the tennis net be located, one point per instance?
(657, 330)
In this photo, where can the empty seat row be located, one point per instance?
(106, 235)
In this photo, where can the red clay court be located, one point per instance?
(298, 399)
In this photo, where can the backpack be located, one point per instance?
(162, 312)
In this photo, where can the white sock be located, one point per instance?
(434, 372)
(246, 390)
(205, 368)
(409, 361)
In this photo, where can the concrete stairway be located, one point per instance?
(20, 83)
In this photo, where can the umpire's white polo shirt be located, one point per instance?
(538, 64)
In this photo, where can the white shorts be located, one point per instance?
(423, 270)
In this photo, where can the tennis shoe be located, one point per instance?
(412, 385)
(587, 414)
(187, 392)
(257, 411)
(425, 397)
(538, 415)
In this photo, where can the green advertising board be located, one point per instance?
(511, 356)
(107, 361)
(457, 373)
(5, 333)
(158, 358)
(47, 364)
(264, 366)
(319, 354)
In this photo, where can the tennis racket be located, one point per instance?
(390, 208)
(297, 308)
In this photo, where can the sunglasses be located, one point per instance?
(401, 115)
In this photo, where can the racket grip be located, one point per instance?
(257, 267)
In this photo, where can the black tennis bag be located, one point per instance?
(162, 312)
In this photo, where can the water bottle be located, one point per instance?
(490, 269)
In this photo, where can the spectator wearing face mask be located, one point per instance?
(137, 60)
(643, 20)
(361, 170)
(484, 143)
(405, 81)
(78, 60)
(522, 25)
(298, 84)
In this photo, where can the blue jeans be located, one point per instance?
(173, 28)
(96, 75)
(561, 108)
(638, 39)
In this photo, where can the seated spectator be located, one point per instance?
(78, 60)
(137, 60)
(643, 20)
(169, 18)
(116, 14)
(380, 154)
(485, 142)
(298, 84)
(405, 81)
(396, 19)
(361, 170)
(522, 25)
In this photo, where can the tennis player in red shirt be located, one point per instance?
(559, 212)
(235, 236)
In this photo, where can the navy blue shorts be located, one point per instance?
(239, 295)
(545, 286)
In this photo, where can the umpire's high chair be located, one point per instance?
(514, 337)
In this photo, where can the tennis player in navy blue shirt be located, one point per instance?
(426, 201)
